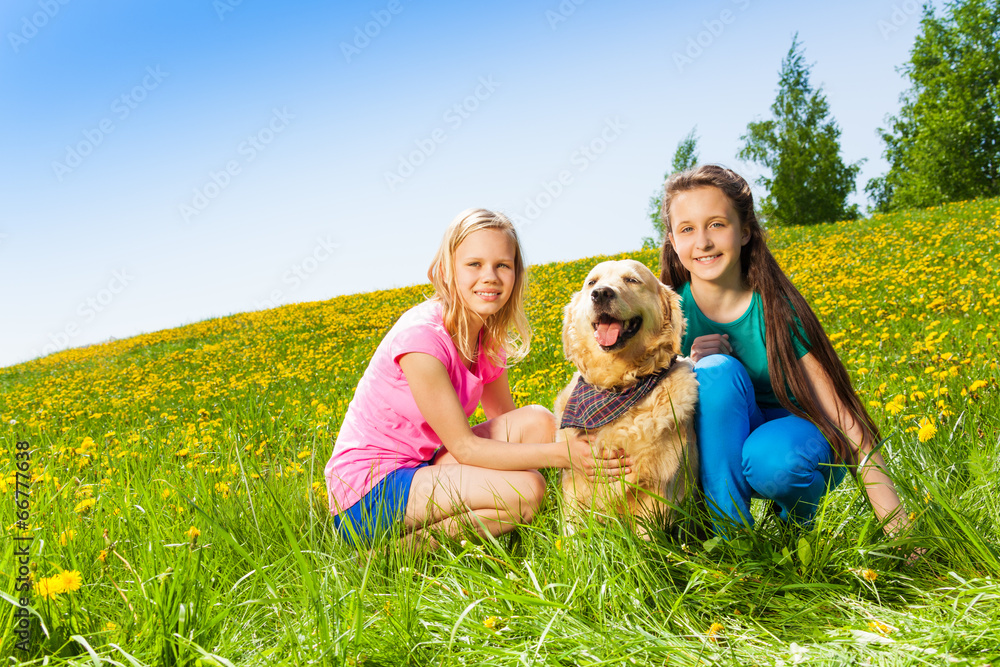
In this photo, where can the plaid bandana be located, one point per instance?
(589, 407)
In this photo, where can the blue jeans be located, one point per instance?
(749, 452)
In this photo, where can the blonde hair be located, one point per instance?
(508, 329)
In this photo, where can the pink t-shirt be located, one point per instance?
(383, 429)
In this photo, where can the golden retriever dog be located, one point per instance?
(623, 332)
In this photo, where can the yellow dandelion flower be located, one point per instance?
(869, 575)
(491, 622)
(927, 430)
(893, 407)
(879, 627)
(714, 630)
(976, 386)
(103, 556)
(109, 626)
(48, 588)
(84, 506)
(558, 545)
(305, 453)
(70, 580)
(192, 534)
(66, 536)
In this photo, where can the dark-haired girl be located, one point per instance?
(778, 417)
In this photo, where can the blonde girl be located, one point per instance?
(406, 457)
(777, 417)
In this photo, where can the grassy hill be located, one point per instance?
(177, 490)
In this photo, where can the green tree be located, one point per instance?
(685, 157)
(800, 145)
(945, 143)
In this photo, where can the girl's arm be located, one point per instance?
(496, 397)
(438, 403)
(879, 487)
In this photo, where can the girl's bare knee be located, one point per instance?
(532, 494)
(541, 423)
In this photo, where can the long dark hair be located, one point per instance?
(782, 304)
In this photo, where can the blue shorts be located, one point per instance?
(379, 511)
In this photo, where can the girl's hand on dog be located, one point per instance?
(599, 466)
(704, 346)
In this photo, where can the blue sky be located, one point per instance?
(171, 161)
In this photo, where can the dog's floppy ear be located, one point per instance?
(673, 316)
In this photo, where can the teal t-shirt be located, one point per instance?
(746, 335)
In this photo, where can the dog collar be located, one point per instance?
(590, 408)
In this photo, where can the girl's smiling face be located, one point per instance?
(484, 271)
(707, 235)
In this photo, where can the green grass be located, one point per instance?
(205, 425)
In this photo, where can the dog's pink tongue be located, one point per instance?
(606, 333)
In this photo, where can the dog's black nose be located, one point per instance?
(602, 295)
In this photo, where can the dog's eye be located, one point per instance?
(591, 283)
(631, 280)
